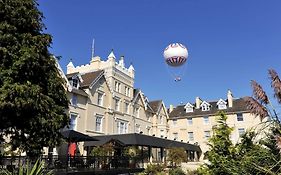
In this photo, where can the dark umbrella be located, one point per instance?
(75, 136)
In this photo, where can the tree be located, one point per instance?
(261, 105)
(177, 155)
(33, 100)
(221, 155)
(253, 155)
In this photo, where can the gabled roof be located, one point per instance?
(72, 74)
(155, 105)
(189, 105)
(221, 101)
(205, 103)
(89, 78)
(239, 105)
(137, 92)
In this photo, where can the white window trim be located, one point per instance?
(126, 126)
(72, 101)
(101, 124)
(119, 100)
(77, 116)
(204, 121)
(102, 96)
(237, 117)
(188, 120)
(207, 136)
(128, 109)
(190, 138)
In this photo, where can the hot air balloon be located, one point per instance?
(175, 55)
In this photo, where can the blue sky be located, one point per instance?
(229, 42)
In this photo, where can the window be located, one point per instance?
(240, 117)
(148, 129)
(222, 106)
(99, 123)
(174, 122)
(207, 134)
(138, 129)
(189, 121)
(117, 86)
(75, 83)
(190, 136)
(127, 91)
(126, 107)
(205, 107)
(136, 111)
(122, 127)
(117, 105)
(162, 134)
(206, 120)
(73, 121)
(100, 99)
(74, 100)
(161, 119)
(241, 131)
(188, 109)
(175, 136)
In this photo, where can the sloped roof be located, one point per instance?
(88, 78)
(141, 140)
(79, 91)
(239, 105)
(155, 105)
(71, 74)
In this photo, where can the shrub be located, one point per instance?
(176, 171)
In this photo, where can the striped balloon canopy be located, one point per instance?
(175, 54)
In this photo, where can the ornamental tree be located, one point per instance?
(33, 100)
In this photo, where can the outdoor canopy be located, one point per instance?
(75, 136)
(142, 140)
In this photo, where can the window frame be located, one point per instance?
(74, 100)
(239, 131)
(189, 121)
(73, 125)
(190, 136)
(239, 116)
(100, 100)
(101, 123)
(206, 122)
(207, 134)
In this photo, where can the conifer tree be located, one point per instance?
(33, 100)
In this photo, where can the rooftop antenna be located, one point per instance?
(93, 47)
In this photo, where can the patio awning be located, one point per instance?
(142, 140)
(75, 136)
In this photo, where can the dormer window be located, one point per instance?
(75, 83)
(188, 107)
(221, 104)
(205, 106)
